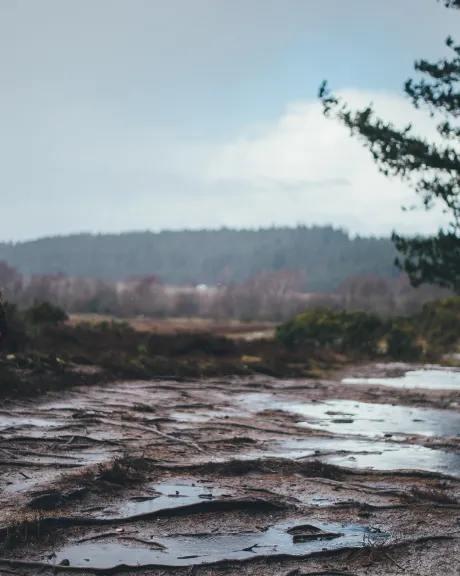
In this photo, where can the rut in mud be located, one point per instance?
(241, 476)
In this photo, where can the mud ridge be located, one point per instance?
(205, 507)
(311, 469)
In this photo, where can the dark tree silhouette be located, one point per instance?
(432, 169)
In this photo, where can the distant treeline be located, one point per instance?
(327, 256)
(270, 296)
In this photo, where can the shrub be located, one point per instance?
(340, 330)
(362, 331)
(45, 313)
(318, 328)
(401, 344)
(439, 321)
(17, 337)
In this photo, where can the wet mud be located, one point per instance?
(248, 476)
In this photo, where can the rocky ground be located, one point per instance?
(249, 475)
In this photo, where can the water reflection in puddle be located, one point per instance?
(166, 495)
(281, 538)
(406, 458)
(375, 455)
(350, 417)
(365, 419)
(441, 379)
(374, 420)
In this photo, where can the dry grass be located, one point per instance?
(115, 474)
(233, 328)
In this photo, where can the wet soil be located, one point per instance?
(243, 475)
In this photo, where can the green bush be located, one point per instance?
(439, 322)
(401, 344)
(317, 328)
(362, 332)
(18, 337)
(41, 313)
(339, 330)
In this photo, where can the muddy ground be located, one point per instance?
(253, 476)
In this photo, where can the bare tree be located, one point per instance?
(11, 282)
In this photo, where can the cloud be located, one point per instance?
(304, 147)
(122, 115)
(300, 169)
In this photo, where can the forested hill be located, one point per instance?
(328, 256)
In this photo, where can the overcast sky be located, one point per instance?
(163, 114)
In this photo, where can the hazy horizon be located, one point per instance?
(131, 116)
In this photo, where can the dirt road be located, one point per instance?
(241, 476)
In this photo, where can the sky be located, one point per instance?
(122, 115)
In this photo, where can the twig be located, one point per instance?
(152, 429)
(42, 454)
(32, 464)
(151, 543)
(8, 453)
(96, 537)
(359, 488)
(215, 425)
(394, 561)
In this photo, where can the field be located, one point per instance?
(218, 476)
(228, 328)
(174, 450)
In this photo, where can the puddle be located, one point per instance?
(376, 420)
(350, 417)
(440, 379)
(407, 457)
(317, 448)
(363, 419)
(167, 495)
(352, 453)
(296, 539)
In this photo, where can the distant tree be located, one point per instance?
(187, 304)
(144, 296)
(42, 288)
(103, 301)
(367, 293)
(213, 257)
(433, 169)
(11, 281)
